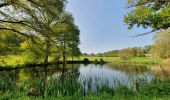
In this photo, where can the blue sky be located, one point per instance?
(101, 25)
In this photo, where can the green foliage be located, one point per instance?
(161, 47)
(130, 52)
(9, 43)
(86, 60)
(6, 83)
(114, 53)
(149, 14)
(156, 88)
(34, 50)
(123, 90)
(68, 37)
(46, 27)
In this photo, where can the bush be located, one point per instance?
(96, 61)
(156, 88)
(86, 60)
(101, 60)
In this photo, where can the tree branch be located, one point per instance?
(33, 2)
(16, 31)
(143, 34)
(4, 4)
(13, 22)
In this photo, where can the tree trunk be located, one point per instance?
(46, 51)
(72, 58)
(64, 54)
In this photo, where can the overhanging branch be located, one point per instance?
(13, 22)
(4, 4)
(16, 31)
(143, 34)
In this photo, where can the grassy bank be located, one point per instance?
(104, 96)
(15, 60)
(52, 90)
(135, 60)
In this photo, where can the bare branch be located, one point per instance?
(143, 34)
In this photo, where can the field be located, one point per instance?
(13, 60)
(135, 60)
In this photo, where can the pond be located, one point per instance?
(74, 75)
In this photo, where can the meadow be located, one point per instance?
(118, 60)
(14, 60)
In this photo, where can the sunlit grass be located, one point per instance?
(147, 60)
(13, 60)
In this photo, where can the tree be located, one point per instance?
(10, 43)
(113, 53)
(130, 52)
(74, 52)
(153, 14)
(68, 37)
(161, 47)
(34, 51)
(146, 49)
(32, 17)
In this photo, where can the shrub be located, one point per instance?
(86, 60)
(156, 88)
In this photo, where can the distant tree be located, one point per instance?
(113, 53)
(146, 49)
(161, 46)
(85, 54)
(126, 53)
(92, 54)
(99, 54)
(130, 52)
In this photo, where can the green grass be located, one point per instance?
(13, 60)
(135, 60)
(156, 90)
(18, 96)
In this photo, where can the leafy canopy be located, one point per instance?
(153, 14)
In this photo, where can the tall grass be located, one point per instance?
(69, 86)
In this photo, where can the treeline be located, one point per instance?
(160, 48)
(37, 29)
(129, 52)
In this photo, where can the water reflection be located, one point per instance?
(161, 72)
(78, 74)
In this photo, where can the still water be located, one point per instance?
(111, 74)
